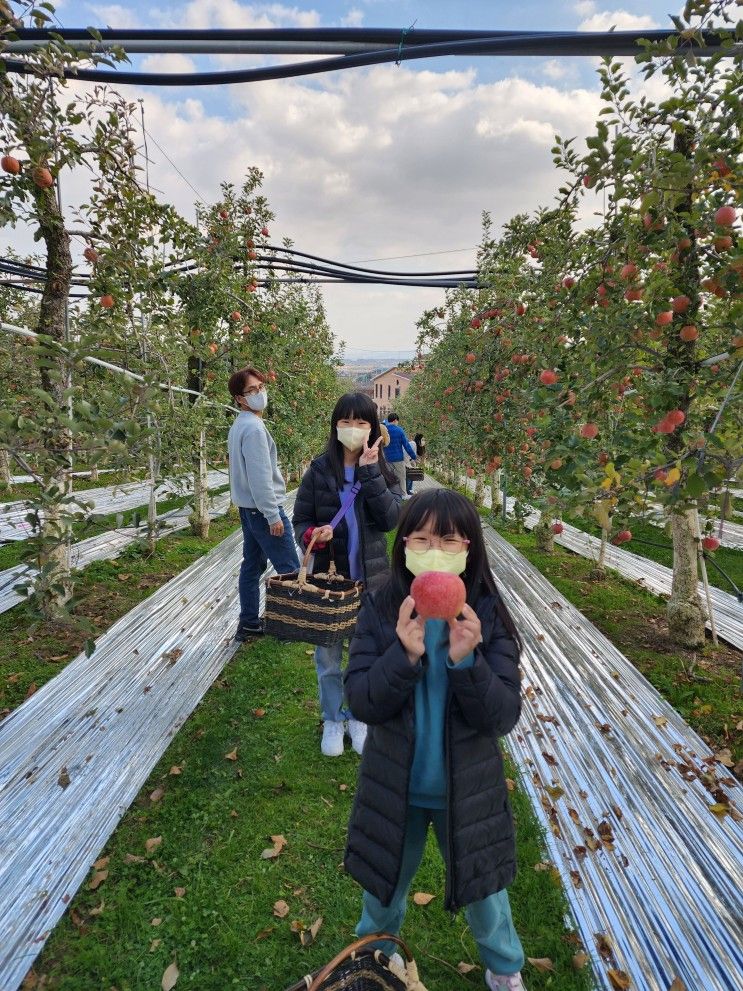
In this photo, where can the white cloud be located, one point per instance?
(114, 15)
(232, 14)
(555, 69)
(622, 20)
(353, 19)
(584, 7)
(168, 63)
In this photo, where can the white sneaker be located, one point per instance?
(504, 982)
(332, 739)
(357, 732)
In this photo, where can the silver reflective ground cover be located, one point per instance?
(655, 577)
(629, 777)
(105, 546)
(107, 720)
(106, 499)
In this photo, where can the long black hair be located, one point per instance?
(449, 512)
(354, 406)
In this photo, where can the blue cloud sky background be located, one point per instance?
(378, 162)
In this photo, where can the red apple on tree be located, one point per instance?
(548, 377)
(680, 304)
(589, 431)
(106, 301)
(725, 216)
(557, 528)
(10, 165)
(689, 333)
(438, 595)
(91, 255)
(623, 537)
(664, 318)
(42, 177)
(710, 543)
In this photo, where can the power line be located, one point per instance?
(148, 134)
(421, 254)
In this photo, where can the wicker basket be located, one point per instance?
(319, 609)
(359, 968)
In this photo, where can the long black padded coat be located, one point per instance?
(484, 702)
(377, 508)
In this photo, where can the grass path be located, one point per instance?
(249, 769)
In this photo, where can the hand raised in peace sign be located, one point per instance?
(370, 455)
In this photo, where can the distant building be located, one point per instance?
(388, 388)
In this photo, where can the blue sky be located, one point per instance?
(377, 162)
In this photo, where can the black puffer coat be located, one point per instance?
(484, 702)
(377, 508)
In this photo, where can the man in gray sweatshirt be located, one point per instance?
(258, 490)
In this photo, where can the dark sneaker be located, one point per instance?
(245, 632)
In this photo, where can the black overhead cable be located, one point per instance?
(404, 45)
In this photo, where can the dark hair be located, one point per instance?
(237, 380)
(450, 512)
(354, 406)
(393, 418)
(418, 438)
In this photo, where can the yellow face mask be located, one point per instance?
(434, 559)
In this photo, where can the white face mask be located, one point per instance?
(353, 438)
(257, 402)
(434, 559)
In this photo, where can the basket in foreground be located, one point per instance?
(360, 968)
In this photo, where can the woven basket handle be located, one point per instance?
(302, 576)
(349, 950)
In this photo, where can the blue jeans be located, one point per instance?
(489, 919)
(328, 662)
(259, 547)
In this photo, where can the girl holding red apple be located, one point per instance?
(436, 693)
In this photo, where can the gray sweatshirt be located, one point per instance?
(255, 479)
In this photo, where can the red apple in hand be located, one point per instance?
(438, 595)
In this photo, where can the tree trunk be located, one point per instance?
(496, 496)
(686, 616)
(4, 469)
(152, 504)
(94, 473)
(200, 516)
(54, 588)
(545, 538)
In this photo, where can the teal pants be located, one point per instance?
(489, 919)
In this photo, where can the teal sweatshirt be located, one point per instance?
(428, 773)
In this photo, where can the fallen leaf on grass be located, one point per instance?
(153, 843)
(31, 690)
(170, 977)
(422, 898)
(308, 936)
(279, 842)
(280, 909)
(154, 945)
(543, 964)
(64, 779)
(619, 980)
(156, 922)
(76, 919)
(264, 933)
(232, 755)
(342, 787)
(133, 858)
(176, 769)
(465, 968)
(98, 910)
(542, 866)
(97, 880)
(179, 892)
(580, 960)
(259, 713)
(510, 784)
(99, 865)
(157, 794)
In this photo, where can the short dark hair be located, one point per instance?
(393, 418)
(237, 381)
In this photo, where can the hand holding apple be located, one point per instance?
(410, 631)
(464, 635)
